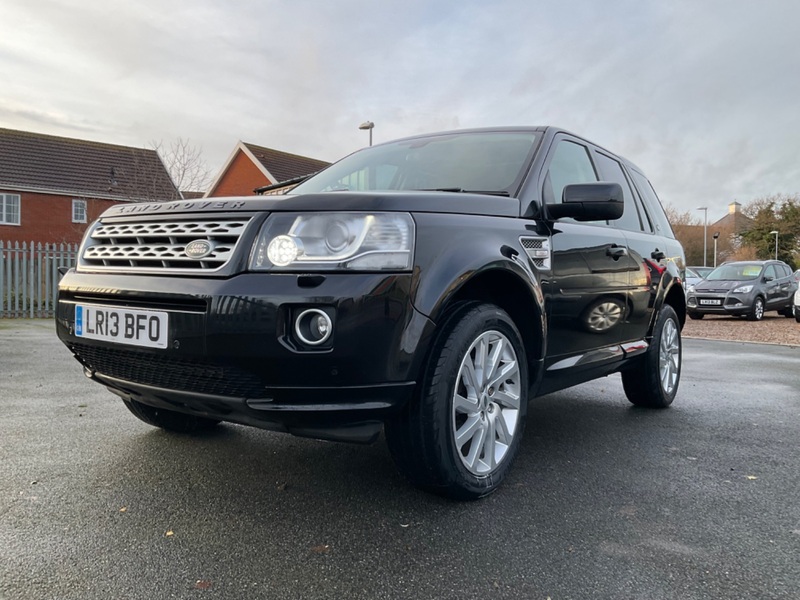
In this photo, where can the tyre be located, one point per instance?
(169, 419)
(788, 312)
(653, 382)
(797, 316)
(461, 432)
(757, 311)
(695, 315)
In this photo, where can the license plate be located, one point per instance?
(130, 326)
(710, 302)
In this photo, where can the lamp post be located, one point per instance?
(775, 233)
(715, 236)
(705, 232)
(368, 125)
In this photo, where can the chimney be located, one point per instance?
(733, 208)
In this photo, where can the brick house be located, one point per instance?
(251, 167)
(52, 187)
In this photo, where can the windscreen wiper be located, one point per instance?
(459, 190)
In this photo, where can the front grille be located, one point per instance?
(183, 374)
(161, 245)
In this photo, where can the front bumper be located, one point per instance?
(725, 304)
(232, 355)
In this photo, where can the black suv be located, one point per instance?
(744, 288)
(430, 286)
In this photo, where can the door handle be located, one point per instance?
(616, 252)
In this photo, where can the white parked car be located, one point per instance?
(796, 307)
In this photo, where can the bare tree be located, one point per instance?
(185, 164)
(688, 230)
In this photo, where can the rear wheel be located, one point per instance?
(169, 419)
(460, 434)
(653, 382)
(757, 311)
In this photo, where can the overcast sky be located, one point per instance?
(704, 95)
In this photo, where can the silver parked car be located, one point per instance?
(745, 288)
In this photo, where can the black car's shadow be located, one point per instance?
(235, 465)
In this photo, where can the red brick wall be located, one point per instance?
(48, 218)
(241, 178)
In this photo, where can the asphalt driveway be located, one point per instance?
(605, 500)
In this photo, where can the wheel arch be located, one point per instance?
(677, 300)
(516, 294)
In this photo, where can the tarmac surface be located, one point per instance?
(605, 500)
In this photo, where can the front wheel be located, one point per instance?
(653, 382)
(169, 419)
(459, 435)
(757, 311)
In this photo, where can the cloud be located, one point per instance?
(701, 95)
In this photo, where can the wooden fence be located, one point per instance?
(29, 277)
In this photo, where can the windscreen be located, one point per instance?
(488, 162)
(740, 272)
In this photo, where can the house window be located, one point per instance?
(9, 209)
(79, 211)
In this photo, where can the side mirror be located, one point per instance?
(602, 201)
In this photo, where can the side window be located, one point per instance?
(770, 272)
(647, 192)
(570, 164)
(611, 170)
(787, 272)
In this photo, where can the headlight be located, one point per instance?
(690, 289)
(744, 289)
(329, 241)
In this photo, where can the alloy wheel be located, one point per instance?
(669, 356)
(486, 403)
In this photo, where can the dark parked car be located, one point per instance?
(746, 288)
(431, 286)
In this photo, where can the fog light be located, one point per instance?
(313, 326)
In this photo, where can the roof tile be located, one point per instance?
(35, 161)
(285, 166)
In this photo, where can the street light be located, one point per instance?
(370, 126)
(705, 232)
(775, 233)
(715, 236)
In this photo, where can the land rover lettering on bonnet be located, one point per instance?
(428, 287)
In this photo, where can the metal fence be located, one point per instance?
(29, 277)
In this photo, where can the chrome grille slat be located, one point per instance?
(159, 246)
(174, 229)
